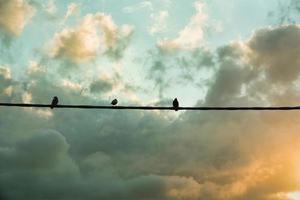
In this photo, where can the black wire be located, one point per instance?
(274, 108)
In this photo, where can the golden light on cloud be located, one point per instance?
(14, 15)
(133, 155)
(94, 35)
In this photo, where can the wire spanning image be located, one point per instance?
(55, 104)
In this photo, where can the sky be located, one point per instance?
(205, 53)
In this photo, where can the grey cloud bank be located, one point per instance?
(142, 155)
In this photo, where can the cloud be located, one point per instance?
(233, 73)
(101, 85)
(50, 8)
(277, 50)
(191, 36)
(168, 70)
(268, 57)
(142, 5)
(94, 35)
(77, 44)
(158, 22)
(5, 78)
(286, 12)
(117, 48)
(244, 73)
(73, 8)
(78, 154)
(164, 187)
(14, 15)
(39, 151)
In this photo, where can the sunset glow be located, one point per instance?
(147, 53)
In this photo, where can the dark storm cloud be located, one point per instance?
(277, 50)
(229, 78)
(101, 86)
(40, 151)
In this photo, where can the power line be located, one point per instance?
(271, 108)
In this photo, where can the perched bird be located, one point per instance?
(114, 102)
(175, 104)
(54, 102)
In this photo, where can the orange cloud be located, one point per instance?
(14, 15)
(95, 34)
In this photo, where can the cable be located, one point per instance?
(284, 108)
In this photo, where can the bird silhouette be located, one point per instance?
(54, 102)
(175, 104)
(114, 102)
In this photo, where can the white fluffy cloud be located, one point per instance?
(95, 34)
(191, 36)
(144, 4)
(158, 22)
(14, 15)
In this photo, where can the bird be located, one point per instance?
(114, 102)
(54, 102)
(175, 104)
